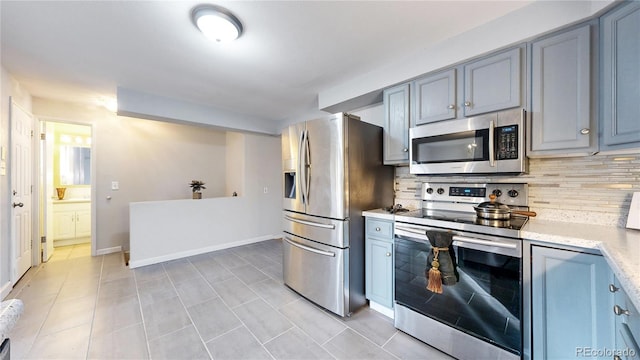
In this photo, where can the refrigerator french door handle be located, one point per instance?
(301, 167)
(308, 248)
(307, 165)
(310, 223)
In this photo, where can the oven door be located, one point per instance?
(486, 303)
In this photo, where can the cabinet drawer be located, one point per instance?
(380, 229)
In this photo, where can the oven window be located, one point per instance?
(459, 147)
(485, 303)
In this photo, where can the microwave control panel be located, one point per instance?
(507, 142)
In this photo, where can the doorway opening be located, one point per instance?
(65, 186)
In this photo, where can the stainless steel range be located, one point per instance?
(480, 316)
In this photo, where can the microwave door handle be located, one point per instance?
(301, 166)
(492, 155)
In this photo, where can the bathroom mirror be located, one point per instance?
(75, 165)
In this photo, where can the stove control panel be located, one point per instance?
(513, 194)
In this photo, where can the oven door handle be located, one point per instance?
(464, 239)
(417, 231)
(309, 248)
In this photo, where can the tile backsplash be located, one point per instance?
(593, 189)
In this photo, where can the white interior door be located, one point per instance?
(21, 124)
(46, 189)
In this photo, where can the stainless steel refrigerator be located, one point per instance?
(332, 170)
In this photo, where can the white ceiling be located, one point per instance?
(81, 51)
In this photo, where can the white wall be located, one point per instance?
(235, 163)
(8, 88)
(166, 230)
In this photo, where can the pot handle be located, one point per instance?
(525, 213)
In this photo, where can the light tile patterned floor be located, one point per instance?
(228, 304)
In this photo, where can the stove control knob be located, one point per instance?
(497, 192)
(429, 191)
(440, 191)
(513, 193)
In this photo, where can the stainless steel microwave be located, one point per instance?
(486, 144)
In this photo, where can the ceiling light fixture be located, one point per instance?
(216, 23)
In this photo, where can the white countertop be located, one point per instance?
(619, 246)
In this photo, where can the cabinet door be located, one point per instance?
(561, 92)
(396, 125)
(64, 225)
(492, 84)
(83, 223)
(379, 271)
(620, 77)
(571, 303)
(434, 97)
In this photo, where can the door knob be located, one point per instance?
(18, 205)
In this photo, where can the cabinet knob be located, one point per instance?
(585, 131)
(616, 357)
(405, 150)
(377, 229)
(620, 311)
(467, 103)
(613, 288)
(451, 107)
(388, 254)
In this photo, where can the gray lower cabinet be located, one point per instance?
(627, 324)
(571, 303)
(561, 120)
(396, 125)
(379, 261)
(492, 83)
(434, 97)
(620, 69)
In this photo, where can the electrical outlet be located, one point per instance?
(115, 185)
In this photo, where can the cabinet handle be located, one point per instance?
(377, 229)
(585, 131)
(451, 107)
(405, 150)
(620, 311)
(616, 357)
(388, 254)
(613, 288)
(467, 103)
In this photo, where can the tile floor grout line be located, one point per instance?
(144, 326)
(95, 306)
(187, 310)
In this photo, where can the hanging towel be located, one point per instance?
(441, 262)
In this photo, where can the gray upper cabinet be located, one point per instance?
(434, 97)
(492, 83)
(620, 71)
(561, 120)
(396, 125)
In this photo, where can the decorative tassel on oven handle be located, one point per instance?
(434, 275)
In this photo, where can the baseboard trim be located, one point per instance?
(110, 250)
(182, 254)
(5, 289)
(381, 309)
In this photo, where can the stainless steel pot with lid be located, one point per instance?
(494, 210)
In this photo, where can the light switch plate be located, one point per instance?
(633, 220)
(115, 185)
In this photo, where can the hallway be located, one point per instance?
(228, 304)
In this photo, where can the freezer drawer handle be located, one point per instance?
(308, 248)
(465, 239)
(310, 223)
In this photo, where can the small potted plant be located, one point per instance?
(197, 186)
